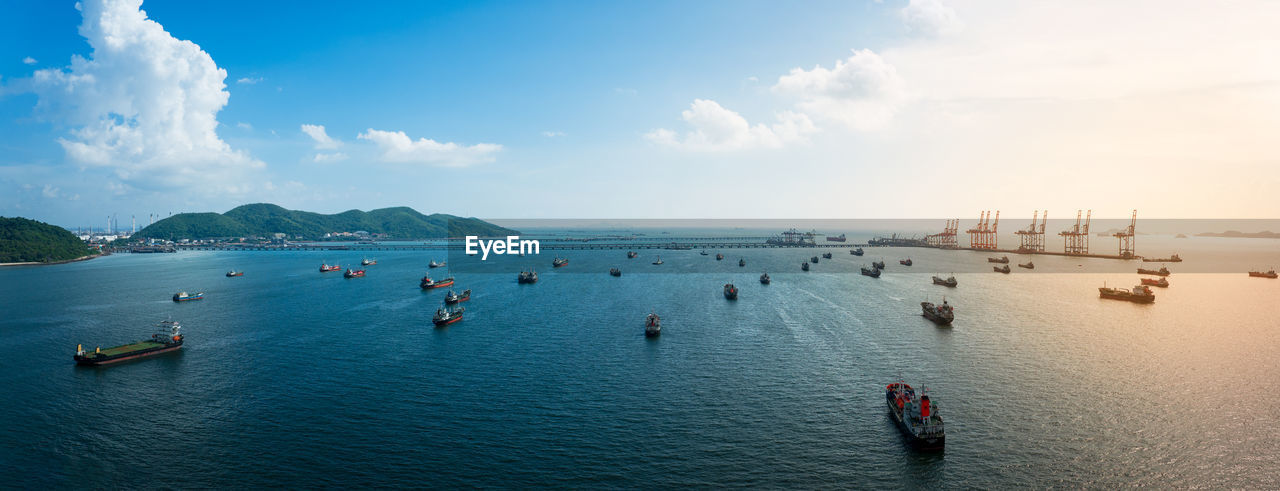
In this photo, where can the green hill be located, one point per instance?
(23, 240)
(262, 219)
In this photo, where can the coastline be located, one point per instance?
(51, 263)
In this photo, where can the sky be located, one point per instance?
(710, 109)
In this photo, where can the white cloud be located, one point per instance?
(49, 191)
(930, 18)
(248, 80)
(330, 157)
(317, 133)
(552, 134)
(625, 91)
(714, 128)
(244, 126)
(863, 91)
(29, 61)
(397, 147)
(143, 105)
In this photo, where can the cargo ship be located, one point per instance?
(804, 266)
(949, 282)
(1139, 294)
(559, 262)
(836, 238)
(445, 316)
(233, 273)
(434, 264)
(615, 272)
(877, 264)
(916, 416)
(1001, 260)
(905, 262)
(1171, 259)
(529, 277)
(452, 297)
(814, 259)
(764, 279)
(1162, 282)
(632, 254)
(941, 315)
(368, 262)
(428, 284)
(872, 272)
(652, 325)
(168, 338)
(325, 268)
(856, 252)
(1002, 269)
(353, 273)
(730, 291)
(186, 297)
(1029, 265)
(1259, 274)
(1163, 271)
(826, 255)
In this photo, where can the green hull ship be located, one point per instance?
(169, 338)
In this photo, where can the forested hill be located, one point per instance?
(23, 240)
(265, 219)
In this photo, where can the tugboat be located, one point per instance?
(905, 262)
(1163, 271)
(1001, 260)
(941, 315)
(353, 273)
(949, 282)
(764, 279)
(325, 268)
(1139, 294)
(452, 297)
(184, 296)
(814, 259)
(1259, 274)
(632, 254)
(429, 284)
(1002, 269)
(804, 266)
(1171, 259)
(826, 255)
(916, 416)
(558, 262)
(1029, 265)
(168, 338)
(658, 262)
(434, 264)
(856, 252)
(529, 277)
(872, 272)
(233, 273)
(719, 257)
(368, 262)
(1162, 282)
(742, 262)
(652, 325)
(877, 264)
(730, 291)
(445, 316)
(615, 272)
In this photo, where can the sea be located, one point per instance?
(294, 378)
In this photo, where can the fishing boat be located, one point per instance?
(527, 277)
(652, 325)
(1162, 282)
(1029, 265)
(559, 262)
(167, 338)
(186, 297)
(1002, 269)
(730, 291)
(856, 252)
(872, 272)
(916, 416)
(445, 316)
(804, 266)
(632, 254)
(949, 282)
(826, 255)
(877, 264)
(905, 262)
(429, 284)
(434, 264)
(764, 279)
(353, 273)
(1261, 274)
(325, 268)
(941, 315)
(814, 259)
(1001, 260)
(615, 272)
(233, 273)
(658, 262)
(1139, 294)
(719, 257)
(453, 297)
(1171, 259)
(1163, 271)
(742, 262)
(368, 262)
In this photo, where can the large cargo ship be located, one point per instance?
(1139, 294)
(916, 416)
(169, 338)
(1263, 274)
(835, 238)
(941, 315)
(1163, 271)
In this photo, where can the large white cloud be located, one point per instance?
(143, 104)
(862, 91)
(396, 146)
(714, 128)
(317, 133)
(930, 18)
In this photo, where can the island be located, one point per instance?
(26, 241)
(1266, 234)
(272, 221)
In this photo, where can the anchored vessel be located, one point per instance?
(234, 273)
(434, 264)
(353, 273)
(1029, 265)
(325, 268)
(529, 276)
(658, 262)
(804, 266)
(905, 262)
(1171, 259)
(916, 416)
(949, 282)
(184, 296)
(652, 325)
(814, 259)
(856, 252)
(941, 315)
(730, 291)
(872, 272)
(558, 262)
(1001, 259)
(1002, 269)
(877, 264)
(742, 262)
(836, 238)
(445, 316)
(1259, 274)
(826, 255)
(452, 297)
(1162, 282)
(367, 262)
(1139, 294)
(764, 279)
(1163, 271)
(632, 254)
(168, 338)
(427, 283)
(719, 256)
(615, 271)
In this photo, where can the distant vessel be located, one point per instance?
(742, 262)
(427, 283)
(558, 262)
(652, 325)
(877, 264)
(1029, 265)
(234, 273)
(368, 262)
(168, 338)
(184, 296)
(719, 256)
(632, 254)
(1139, 294)
(941, 315)
(434, 264)
(1162, 282)
(836, 238)
(353, 273)
(872, 272)
(325, 268)
(1001, 260)
(764, 279)
(804, 266)
(615, 271)
(1002, 269)
(905, 262)
(445, 316)
(529, 277)
(658, 262)
(1171, 259)
(826, 255)
(1163, 271)
(704, 253)
(814, 259)
(730, 291)
(949, 282)
(1259, 274)
(452, 297)
(856, 252)
(916, 416)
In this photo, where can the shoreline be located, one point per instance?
(51, 263)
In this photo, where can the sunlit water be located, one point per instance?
(295, 378)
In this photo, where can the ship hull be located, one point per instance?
(188, 299)
(433, 286)
(100, 361)
(916, 441)
(652, 333)
(447, 322)
(1127, 298)
(941, 321)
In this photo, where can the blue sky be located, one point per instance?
(920, 108)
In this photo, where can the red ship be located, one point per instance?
(325, 268)
(427, 283)
(1162, 282)
(353, 273)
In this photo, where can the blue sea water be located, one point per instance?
(295, 378)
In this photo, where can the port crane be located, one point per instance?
(946, 239)
(1126, 237)
(983, 235)
(1076, 239)
(1032, 238)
